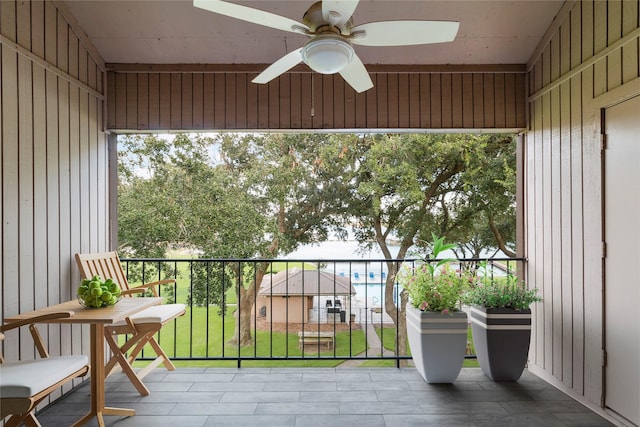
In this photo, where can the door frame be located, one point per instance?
(603, 177)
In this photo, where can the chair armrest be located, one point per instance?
(36, 319)
(133, 291)
(31, 321)
(152, 286)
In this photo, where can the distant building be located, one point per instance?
(304, 296)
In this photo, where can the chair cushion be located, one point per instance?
(155, 314)
(25, 378)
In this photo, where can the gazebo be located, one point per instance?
(303, 296)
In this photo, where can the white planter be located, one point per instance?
(438, 343)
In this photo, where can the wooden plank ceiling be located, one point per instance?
(175, 67)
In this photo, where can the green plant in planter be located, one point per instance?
(501, 323)
(500, 292)
(435, 285)
(436, 327)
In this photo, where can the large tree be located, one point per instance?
(295, 179)
(410, 186)
(265, 194)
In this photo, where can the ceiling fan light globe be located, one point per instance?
(327, 55)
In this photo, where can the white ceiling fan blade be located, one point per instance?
(279, 67)
(250, 14)
(404, 33)
(356, 75)
(337, 12)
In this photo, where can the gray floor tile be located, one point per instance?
(517, 420)
(191, 396)
(234, 370)
(491, 396)
(175, 387)
(333, 396)
(214, 408)
(150, 408)
(514, 385)
(472, 408)
(339, 420)
(67, 420)
(321, 376)
(250, 377)
(400, 374)
(74, 409)
(390, 385)
(416, 396)
(160, 421)
(553, 395)
(301, 386)
(380, 408)
(529, 407)
(301, 370)
(224, 386)
(251, 421)
(273, 396)
(198, 378)
(582, 419)
(308, 397)
(299, 408)
(427, 420)
(455, 387)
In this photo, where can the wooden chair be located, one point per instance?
(140, 328)
(25, 383)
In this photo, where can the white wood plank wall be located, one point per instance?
(588, 59)
(54, 166)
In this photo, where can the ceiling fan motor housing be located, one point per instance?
(317, 24)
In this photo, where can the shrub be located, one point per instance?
(500, 292)
(434, 285)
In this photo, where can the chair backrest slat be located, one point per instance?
(107, 265)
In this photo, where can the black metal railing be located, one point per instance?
(302, 309)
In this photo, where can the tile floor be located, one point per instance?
(311, 397)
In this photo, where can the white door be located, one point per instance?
(622, 272)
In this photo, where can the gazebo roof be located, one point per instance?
(305, 282)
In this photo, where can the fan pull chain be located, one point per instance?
(313, 107)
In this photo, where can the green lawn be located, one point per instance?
(185, 341)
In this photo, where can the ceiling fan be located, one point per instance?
(329, 26)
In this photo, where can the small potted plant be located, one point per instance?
(500, 317)
(436, 325)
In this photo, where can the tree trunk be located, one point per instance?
(244, 314)
(501, 243)
(398, 315)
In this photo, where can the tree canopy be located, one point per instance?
(259, 196)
